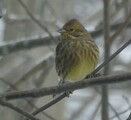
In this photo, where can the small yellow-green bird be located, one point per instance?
(76, 53)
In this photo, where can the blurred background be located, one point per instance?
(28, 65)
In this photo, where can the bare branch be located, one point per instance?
(9, 105)
(83, 106)
(45, 41)
(35, 94)
(117, 114)
(14, 88)
(49, 104)
(23, 45)
(41, 109)
(106, 27)
(95, 111)
(112, 56)
(67, 87)
(129, 118)
(120, 113)
(112, 108)
(120, 29)
(35, 20)
(46, 60)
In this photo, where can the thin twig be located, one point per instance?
(35, 20)
(120, 29)
(117, 114)
(120, 113)
(112, 56)
(95, 111)
(46, 60)
(44, 107)
(78, 112)
(9, 105)
(50, 104)
(127, 100)
(14, 88)
(112, 108)
(129, 117)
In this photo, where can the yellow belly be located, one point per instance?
(80, 70)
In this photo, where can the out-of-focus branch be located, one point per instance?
(129, 117)
(49, 104)
(116, 113)
(23, 45)
(46, 60)
(104, 63)
(104, 95)
(66, 87)
(120, 29)
(95, 111)
(112, 56)
(22, 112)
(45, 41)
(14, 88)
(120, 113)
(83, 106)
(35, 20)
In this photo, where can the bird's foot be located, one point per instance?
(93, 75)
(68, 93)
(90, 76)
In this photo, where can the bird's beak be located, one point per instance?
(61, 30)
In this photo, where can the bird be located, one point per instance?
(76, 54)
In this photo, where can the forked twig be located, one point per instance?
(9, 105)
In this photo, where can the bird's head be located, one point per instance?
(72, 28)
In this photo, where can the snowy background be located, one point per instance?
(34, 68)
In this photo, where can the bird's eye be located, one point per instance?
(71, 29)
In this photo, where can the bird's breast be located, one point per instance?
(83, 66)
(76, 60)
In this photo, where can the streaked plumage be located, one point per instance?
(76, 53)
